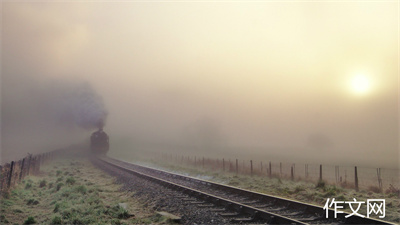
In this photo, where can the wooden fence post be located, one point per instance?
(378, 172)
(32, 169)
(280, 169)
(320, 172)
(270, 169)
(1, 178)
(291, 173)
(294, 169)
(10, 174)
(305, 170)
(29, 165)
(356, 178)
(22, 169)
(223, 164)
(39, 164)
(337, 174)
(251, 167)
(36, 165)
(237, 167)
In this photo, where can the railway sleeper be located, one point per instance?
(263, 205)
(197, 202)
(277, 209)
(242, 220)
(253, 218)
(218, 210)
(296, 213)
(181, 196)
(268, 201)
(205, 205)
(189, 200)
(230, 214)
(251, 203)
(311, 219)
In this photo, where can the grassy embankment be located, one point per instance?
(314, 193)
(73, 192)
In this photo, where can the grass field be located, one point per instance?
(73, 192)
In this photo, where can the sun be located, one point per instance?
(360, 84)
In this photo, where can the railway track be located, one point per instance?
(241, 206)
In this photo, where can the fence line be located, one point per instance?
(377, 179)
(12, 173)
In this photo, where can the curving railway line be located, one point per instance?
(241, 206)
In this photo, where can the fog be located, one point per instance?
(303, 81)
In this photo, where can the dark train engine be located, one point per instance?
(99, 143)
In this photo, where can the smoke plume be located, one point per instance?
(78, 104)
(39, 116)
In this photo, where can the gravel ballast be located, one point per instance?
(161, 198)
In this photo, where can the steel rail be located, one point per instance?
(271, 218)
(287, 203)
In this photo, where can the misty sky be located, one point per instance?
(319, 78)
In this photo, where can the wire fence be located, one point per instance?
(12, 173)
(374, 179)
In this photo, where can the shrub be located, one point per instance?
(68, 214)
(320, 184)
(93, 200)
(59, 172)
(66, 192)
(56, 220)
(330, 192)
(118, 212)
(392, 191)
(81, 189)
(6, 202)
(298, 189)
(340, 198)
(56, 208)
(30, 220)
(18, 210)
(32, 202)
(5, 194)
(28, 185)
(3, 219)
(375, 189)
(59, 185)
(70, 181)
(115, 222)
(42, 183)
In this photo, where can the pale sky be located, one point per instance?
(318, 77)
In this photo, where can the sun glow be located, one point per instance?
(360, 84)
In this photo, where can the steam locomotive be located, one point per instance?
(99, 143)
